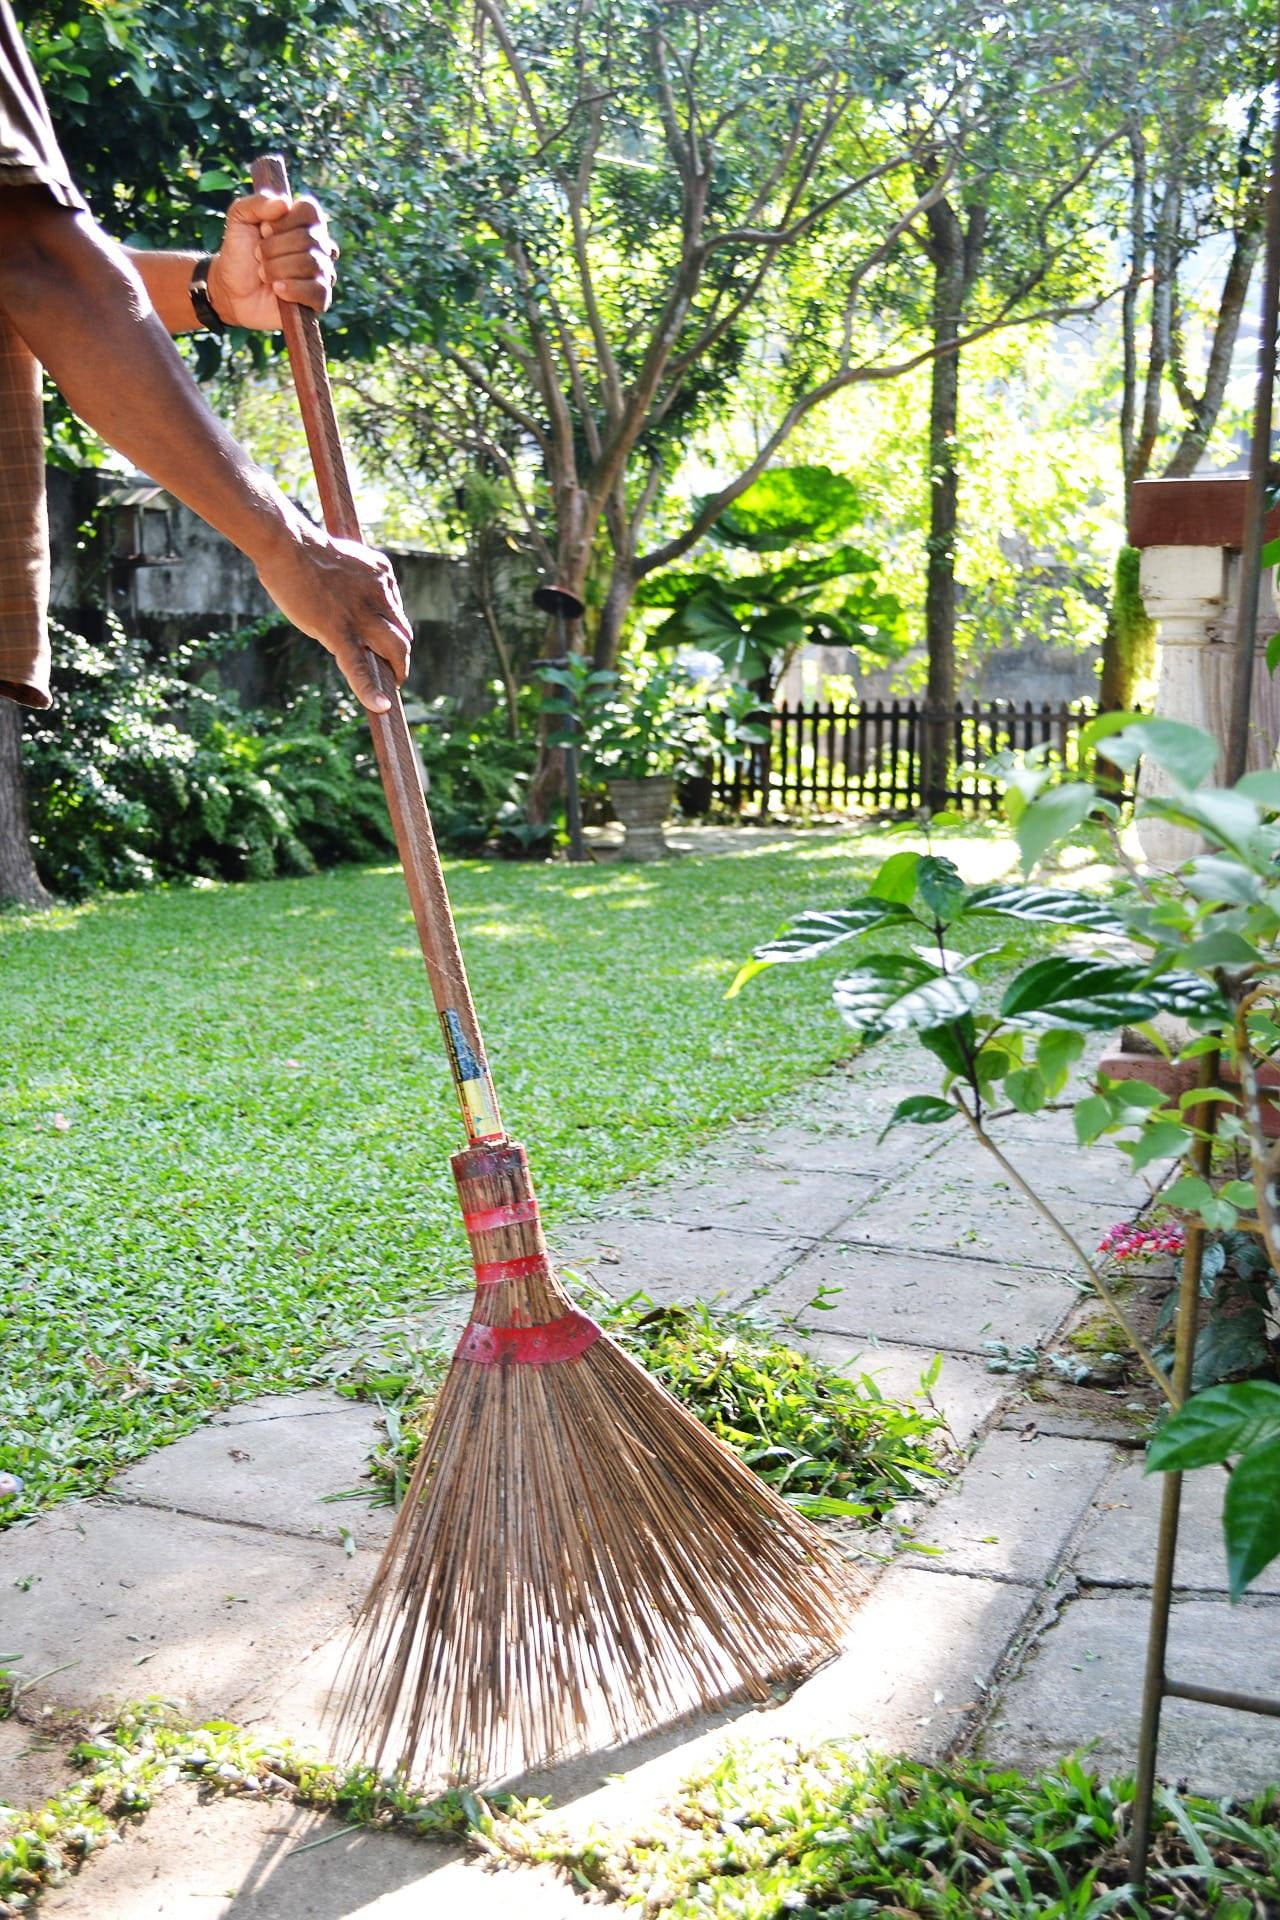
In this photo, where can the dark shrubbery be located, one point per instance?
(138, 776)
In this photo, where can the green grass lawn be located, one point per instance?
(226, 1118)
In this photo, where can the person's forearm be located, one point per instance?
(75, 299)
(167, 279)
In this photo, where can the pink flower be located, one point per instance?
(1129, 1241)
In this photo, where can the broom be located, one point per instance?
(577, 1560)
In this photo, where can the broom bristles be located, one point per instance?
(577, 1562)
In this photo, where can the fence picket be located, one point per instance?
(871, 755)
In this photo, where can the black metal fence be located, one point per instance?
(873, 756)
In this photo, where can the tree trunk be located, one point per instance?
(617, 605)
(19, 880)
(573, 558)
(947, 252)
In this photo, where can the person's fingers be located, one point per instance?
(315, 292)
(354, 662)
(253, 208)
(303, 212)
(391, 645)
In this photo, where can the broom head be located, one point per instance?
(577, 1560)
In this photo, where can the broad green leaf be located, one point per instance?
(1134, 1098)
(1220, 812)
(1026, 1089)
(1050, 818)
(1273, 644)
(1262, 786)
(1092, 1116)
(1104, 726)
(816, 933)
(1056, 1053)
(1045, 906)
(1217, 877)
(896, 879)
(1187, 754)
(217, 181)
(1202, 1096)
(892, 993)
(941, 888)
(922, 1110)
(954, 1044)
(1066, 991)
(1225, 949)
(1190, 1192)
(1251, 1514)
(1161, 1141)
(1239, 1192)
(1215, 1424)
(790, 505)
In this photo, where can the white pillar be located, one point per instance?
(1191, 594)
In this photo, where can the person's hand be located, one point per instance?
(345, 596)
(271, 249)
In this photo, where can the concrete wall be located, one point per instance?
(173, 580)
(1033, 672)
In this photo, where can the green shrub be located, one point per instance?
(137, 776)
(478, 776)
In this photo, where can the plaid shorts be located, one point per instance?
(24, 527)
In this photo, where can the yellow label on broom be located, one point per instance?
(480, 1109)
(476, 1096)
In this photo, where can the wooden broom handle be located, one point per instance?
(392, 742)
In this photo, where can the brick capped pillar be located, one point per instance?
(1190, 533)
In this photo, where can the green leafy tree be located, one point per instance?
(824, 590)
(1194, 178)
(663, 204)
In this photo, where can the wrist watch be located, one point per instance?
(201, 305)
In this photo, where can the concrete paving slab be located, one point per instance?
(276, 1473)
(1120, 1544)
(790, 1203)
(924, 1299)
(1082, 1683)
(1016, 1506)
(976, 1215)
(965, 1393)
(920, 1654)
(249, 1859)
(127, 1601)
(297, 1697)
(676, 1263)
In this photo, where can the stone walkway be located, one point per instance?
(215, 1574)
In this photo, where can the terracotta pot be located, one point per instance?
(642, 806)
